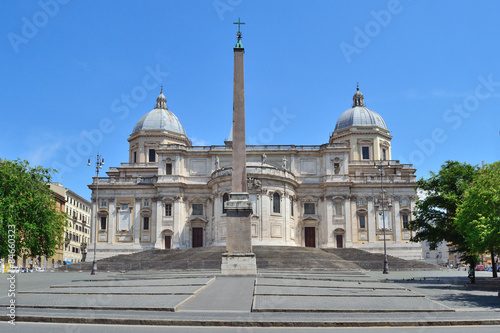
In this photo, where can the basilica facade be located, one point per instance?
(171, 194)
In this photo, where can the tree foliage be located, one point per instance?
(478, 215)
(435, 214)
(27, 206)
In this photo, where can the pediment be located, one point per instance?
(310, 218)
(198, 219)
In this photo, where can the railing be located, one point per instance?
(375, 162)
(131, 180)
(252, 169)
(142, 165)
(256, 147)
(266, 170)
(386, 179)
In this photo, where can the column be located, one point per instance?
(328, 220)
(112, 220)
(93, 225)
(348, 229)
(137, 220)
(371, 221)
(354, 221)
(156, 219)
(396, 220)
(176, 237)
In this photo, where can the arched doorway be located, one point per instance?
(339, 237)
(167, 238)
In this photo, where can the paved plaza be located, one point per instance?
(269, 299)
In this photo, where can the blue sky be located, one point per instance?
(77, 75)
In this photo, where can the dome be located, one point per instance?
(160, 119)
(359, 115)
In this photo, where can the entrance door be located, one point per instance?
(340, 241)
(168, 241)
(310, 239)
(197, 237)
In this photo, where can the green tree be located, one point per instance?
(434, 214)
(28, 211)
(478, 215)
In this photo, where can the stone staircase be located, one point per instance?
(269, 258)
(375, 261)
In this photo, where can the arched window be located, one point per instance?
(276, 202)
(225, 198)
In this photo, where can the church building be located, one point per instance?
(171, 194)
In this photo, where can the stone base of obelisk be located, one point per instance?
(239, 258)
(238, 264)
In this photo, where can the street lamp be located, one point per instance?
(99, 162)
(380, 167)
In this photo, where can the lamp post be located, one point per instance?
(99, 162)
(380, 167)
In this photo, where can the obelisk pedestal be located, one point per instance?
(239, 259)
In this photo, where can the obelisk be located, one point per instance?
(238, 259)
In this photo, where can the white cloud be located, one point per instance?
(199, 142)
(44, 148)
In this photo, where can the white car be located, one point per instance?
(14, 269)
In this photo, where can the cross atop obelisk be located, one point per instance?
(238, 34)
(239, 259)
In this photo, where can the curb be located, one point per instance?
(239, 323)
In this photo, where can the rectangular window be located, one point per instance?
(384, 154)
(168, 209)
(291, 206)
(134, 158)
(276, 203)
(168, 168)
(124, 207)
(152, 155)
(145, 224)
(362, 221)
(103, 203)
(365, 152)
(103, 223)
(406, 224)
(197, 209)
(309, 208)
(146, 203)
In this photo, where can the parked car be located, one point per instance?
(14, 269)
(480, 268)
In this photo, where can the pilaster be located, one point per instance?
(137, 220)
(157, 216)
(371, 221)
(348, 229)
(112, 220)
(396, 220)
